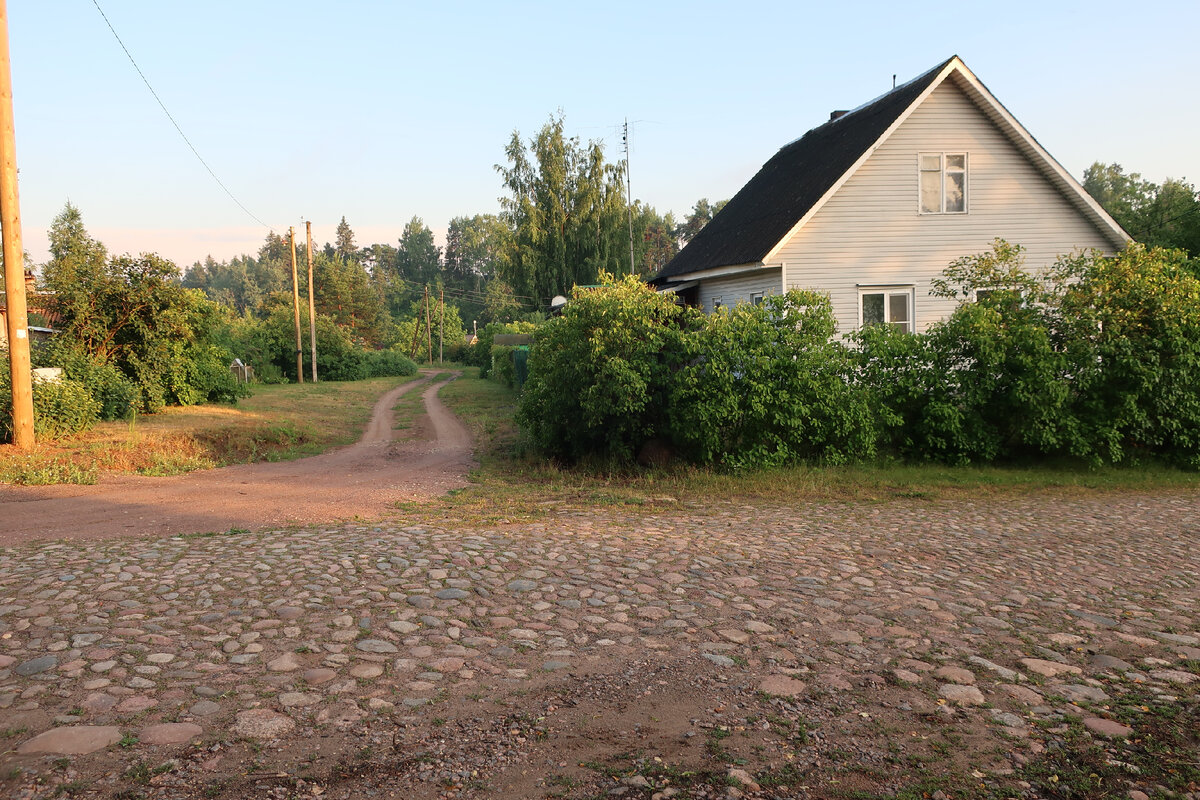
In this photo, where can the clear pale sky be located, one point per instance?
(380, 111)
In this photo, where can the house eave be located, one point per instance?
(722, 272)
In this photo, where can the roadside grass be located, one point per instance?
(278, 423)
(512, 480)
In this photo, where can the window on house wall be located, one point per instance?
(887, 307)
(756, 298)
(943, 179)
(716, 301)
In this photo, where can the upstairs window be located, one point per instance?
(943, 183)
(887, 307)
(756, 298)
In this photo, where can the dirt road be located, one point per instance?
(363, 480)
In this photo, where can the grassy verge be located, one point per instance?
(277, 423)
(510, 478)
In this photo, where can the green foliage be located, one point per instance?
(567, 212)
(504, 367)
(59, 407)
(385, 363)
(1097, 359)
(599, 373)
(133, 315)
(1166, 215)
(480, 354)
(116, 394)
(764, 385)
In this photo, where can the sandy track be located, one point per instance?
(364, 480)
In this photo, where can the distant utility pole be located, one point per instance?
(442, 324)
(14, 256)
(296, 309)
(312, 307)
(628, 193)
(428, 326)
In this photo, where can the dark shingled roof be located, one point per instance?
(788, 185)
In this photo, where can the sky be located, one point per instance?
(382, 111)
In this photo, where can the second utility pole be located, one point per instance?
(296, 309)
(312, 308)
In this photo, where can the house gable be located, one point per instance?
(870, 232)
(762, 219)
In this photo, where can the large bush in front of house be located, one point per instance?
(987, 383)
(1095, 358)
(765, 385)
(1130, 326)
(600, 374)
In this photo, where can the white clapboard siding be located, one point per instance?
(870, 231)
(738, 288)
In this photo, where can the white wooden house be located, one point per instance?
(871, 207)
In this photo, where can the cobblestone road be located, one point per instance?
(1024, 603)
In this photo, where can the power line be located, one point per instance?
(173, 122)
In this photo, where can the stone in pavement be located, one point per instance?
(955, 675)
(35, 666)
(1049, 669)
(75, 740)
(1173, 676)
(1110, 662)
(782, 686)
(1107, 727)
(262, 723)
(375, 646)
(1079, 693)
(284, 663)
(169, 733)
(962, 695)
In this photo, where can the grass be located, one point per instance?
(511, 480)
(278, 423)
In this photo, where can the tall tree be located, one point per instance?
(1167, 215)
(345, 240)
(701, 214)
(566, 210)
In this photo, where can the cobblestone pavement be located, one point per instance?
(1013, 610)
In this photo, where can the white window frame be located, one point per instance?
(941, 171)
(904, 290)
(716, 304)
(756, 298)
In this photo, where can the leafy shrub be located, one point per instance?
(117, 395)
(599, 374)
(504, 369)
(765, 385)
(59, 407)
(481, 352)
(385, 363)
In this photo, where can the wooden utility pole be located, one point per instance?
(312, 306)
(442, 325)
(14, 256)
(296, 309)
(428, 327)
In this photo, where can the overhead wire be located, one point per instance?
(163, 106)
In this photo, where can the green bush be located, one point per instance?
(59, 407)
(764, 385)
(117, 395)
(481, 352)
(386, 363)
(599, 374)
(503, 368)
